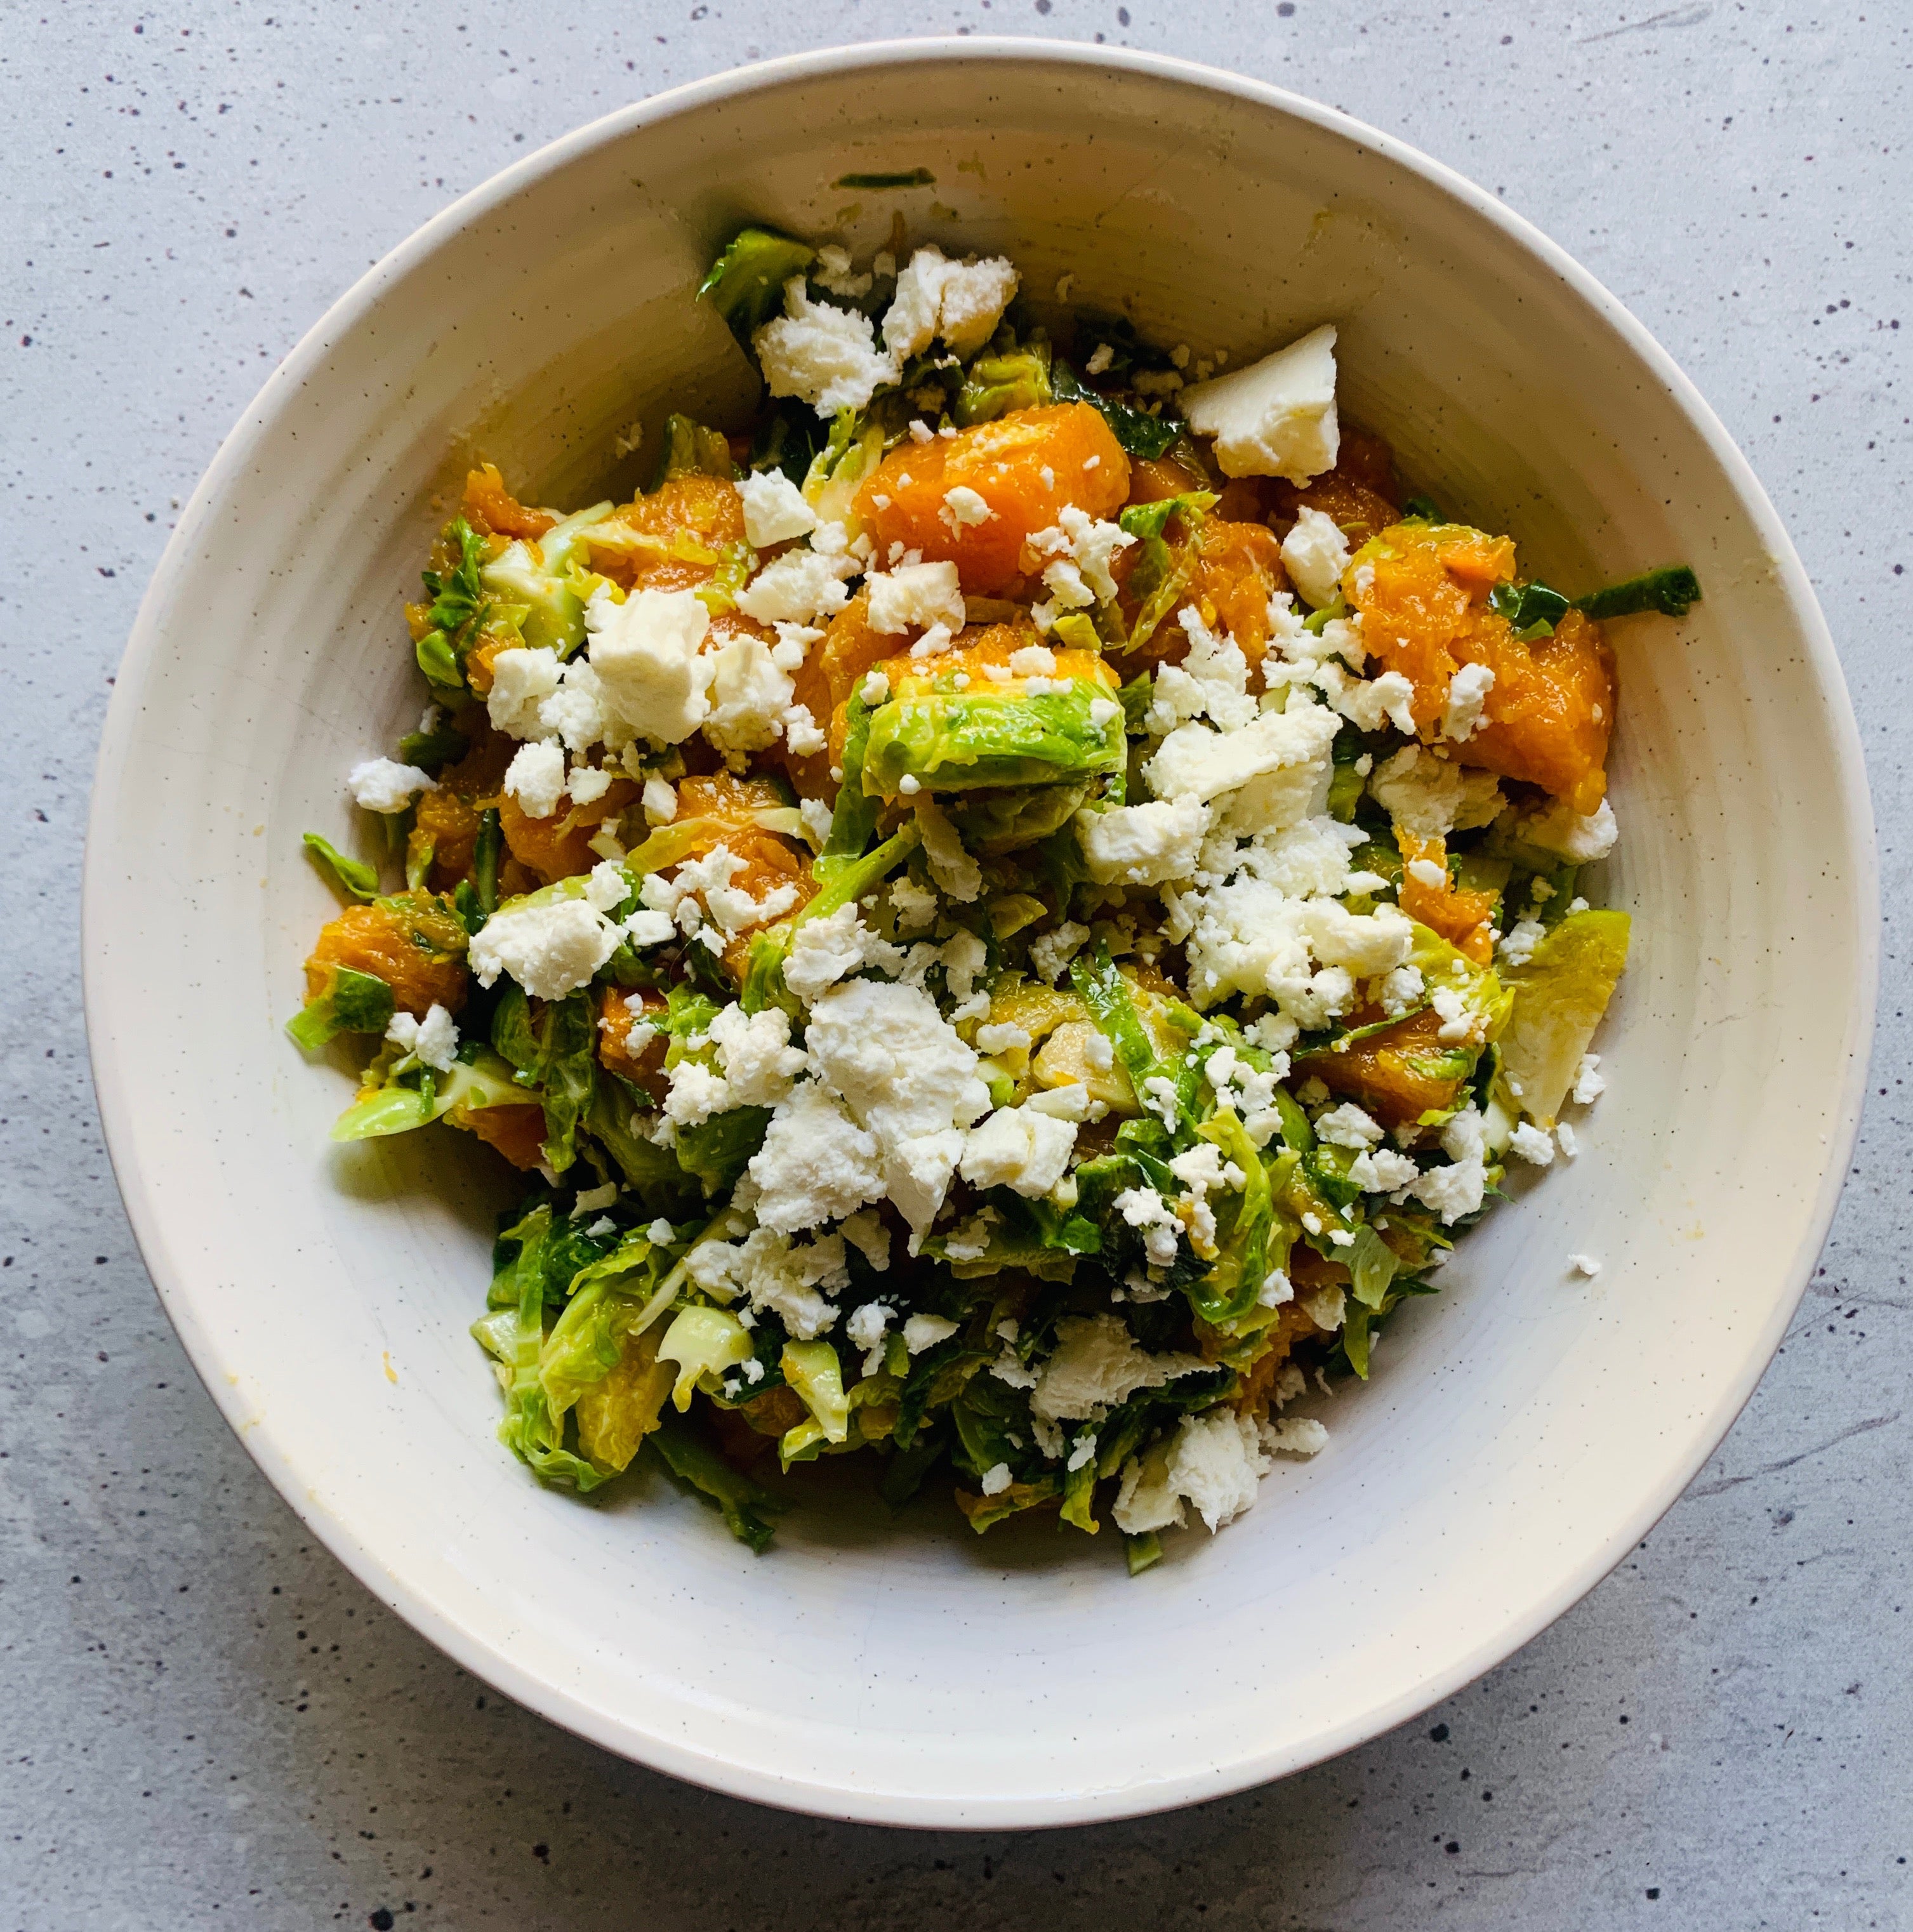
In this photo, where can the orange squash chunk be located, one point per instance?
(725, 805)
(446, 818)
(976, 648)
(1423, 596)
(687, 523)
(1461, 917)
(1026, 467)
(559, 847)
(415, 943)
(490, 508)
(1231, 570)
(646, 1069)
(1397, 1074)
(829, 673)
(517, 1132)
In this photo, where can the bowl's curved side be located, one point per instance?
(1521, 1432)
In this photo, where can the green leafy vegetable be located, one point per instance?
(748, 1511)
(433, 751)
(789, 438)
(906, 178)
(352, 875)
(1533, 609)
(1670, 591)
(950, 741)
(1419, 509)
(487, 851)
(690, 449)
(544, 583)
(995, 384)
(353, 1002)
(458, 605)
(745, 284)
(1160, 574)
(1139, 433)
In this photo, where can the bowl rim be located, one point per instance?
(555, 1701)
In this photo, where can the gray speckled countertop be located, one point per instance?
(205, 1721)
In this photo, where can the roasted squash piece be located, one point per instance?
(559, 847)
(414, 942)
(1397, 1075)
(1025, 467)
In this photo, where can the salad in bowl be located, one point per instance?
(1010, 910)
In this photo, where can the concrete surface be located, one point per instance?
(203, 1720)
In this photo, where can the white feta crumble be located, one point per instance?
(1274, 418)
(551, 948)
(995, 1480)
(1097, 1365)
(1387, 700)
(1518, 943)
(1024, 1148)
(1432, 796)
(1585, 1265)
(774, 511)
(824, 951)
(1291, 746)
(384, 785)
(792, 1281)
(908, 1077)
(521, 681)
(1558, 829)
(799, 587)
(1570, 1142)
(659, 801)
(1050, 953)
(588, 784)
(1464, 711)
(1347, 1126)
(865, 1330)
(535, 778)
(816, 1164)
(1143, 845)
(957, 875)
(963, 507)
(925, 1331)
(648, 654)
(1215, 1461)
(1426, 872)
(432, 1041)
(1382, 1170)
(1295, 1436)
(827, 355)
(1530, 1144)
(1315, 554)
(915, 596)
(748, 695)
(1590, 1082)
(961, 301)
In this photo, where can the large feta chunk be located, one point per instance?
(1195, 762)
(1097, 1364)
(748, 695)
(915, 597)
(648, 654)
(1274, 418)
(827, 355)
(774, 511)
(1215, 1461)
(521, 681)
(907, 1077)
(551, 947)
(798, 587)
(1143, 845)
(1315, 554)
(535, 778)
(1432, 796)
(1024, 1148)
(1557, 827)
(961, 301)
(816, 1164)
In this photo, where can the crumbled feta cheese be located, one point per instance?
(1530, 1144)
(648, 655)
(748, 695)
(1033, 661)
(914, 597)
(1086, 546)
(1584, 1264)
(816, 1164)
(827, 355)
(588, 784)
(1458, 1022)
(645, 928)
(660, 800)
(1399, 990)
(432, 1041)
(384, 785)
(550, 949)
(1215, 1461)
(774, 511)
(1518, 944)
(521, 681)
(1347, 1126)
(1590, 1082)
(1100, 358)
(1295, 1436)
(995, 1480)
(1275, 417)
(914, 906)
(1426, 872)
(1143, 845)
(957, 875)
(1146, 1211)
(925, 1331)
(961, 301)
(865, 1330)
(1453, 1191)
(759, 1062)
(1557, 829)
(1098, 1365)
(908, 1077)
(1464, 711)
(1382, 1171)
(798, 587)
(1315, 554)
(785, 1279)
(1027, 1149)
(1431, 796)
(962, 507)
(1004, 1038)
(535, 778)
(1050, 951)
(1570, 1142)
(1387, 700)
(697, 1092)
(1285, 753)
(824, 951)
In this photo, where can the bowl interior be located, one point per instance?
(1521, 1430)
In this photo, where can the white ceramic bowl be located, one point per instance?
(1521, 1431)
